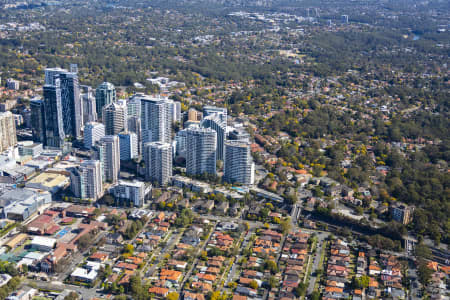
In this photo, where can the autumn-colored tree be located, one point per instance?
(253, 284)
(172, 296)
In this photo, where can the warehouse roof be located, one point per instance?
(43, 241)
(48, 180)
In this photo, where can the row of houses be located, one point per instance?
(265, 247)
(156, 227)
(337, 271)
(294, 257)
(170, 276)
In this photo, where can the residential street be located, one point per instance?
(188, 274)
(161, 252)
(316, 260)
(235, 266)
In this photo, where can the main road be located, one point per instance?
(86, 293)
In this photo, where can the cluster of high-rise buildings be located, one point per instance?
(207, 139)
(139, 127)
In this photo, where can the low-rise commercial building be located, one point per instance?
(26, 293)
(20, 204)
(191, 184)
(44, 244)
(87, 273)
(266, 194)
(48, 181)
(31, 149)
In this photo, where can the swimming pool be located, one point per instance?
(62, 232)
(238, 189)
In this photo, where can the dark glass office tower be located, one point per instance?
(72, 110)
(38, 120)
(54, 130)
(105, 94)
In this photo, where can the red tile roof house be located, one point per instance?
(126, 266)
(245, 281)
(217, 258)
(202, 286)
(254, 262)
(134, 260)
(222, 240)
(374, 269)
(164, 224)
(299, 252)
(299, 245)
(301, 237)
(335, 283)
(158, 291)
(252, 274)
(294, 269)
(98, 257)
(331, 289)
(112, 278)
(212, 270)
(338, 260)
(290, 283)
(336, 267)
(177, 264)
(273, 234)
(193, 296)
(214, 263)
(125, 279)
(170, 275)
(159, 218)
(207, 277)
(339, 271)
